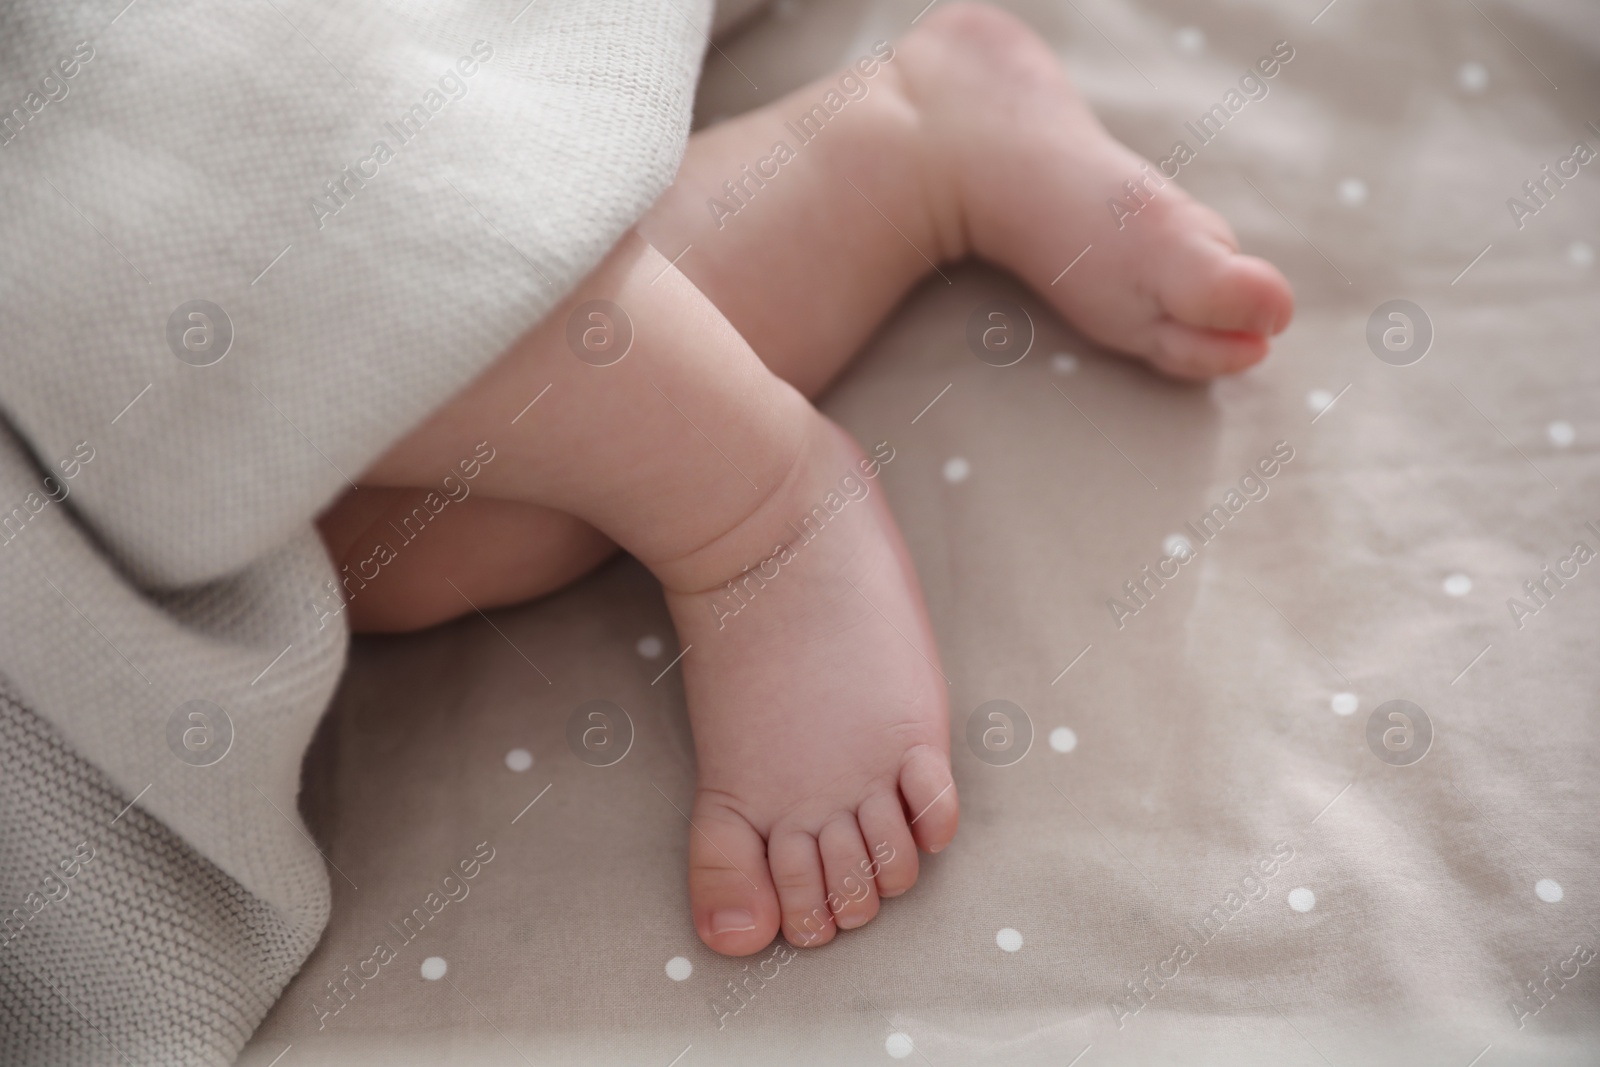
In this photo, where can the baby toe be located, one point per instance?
(1206, 283)
(735, 906)
(1197, 354)
(852, 892)
(1250, 295)
(802, 895)
(930, 795)
(894, 851)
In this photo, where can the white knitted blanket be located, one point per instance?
(246, 247)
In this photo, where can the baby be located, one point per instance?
(820, 712)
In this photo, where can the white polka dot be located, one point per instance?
(1580, 254)
(649, 646)
(1352, 192)
(1008, 939)
(898, 1045)
(1063, 362)
(1318, 399)
(1302, 899)
(1458, 584)
(1189, 40)
(1472, 76)
(679, 968)
(956, 470)
(1176, 545)
(1561, 434)
(519, 759)
(1062, 739)
(1344, 703)
(433, 968)
(1549, 890)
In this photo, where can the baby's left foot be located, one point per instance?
(1029, 174)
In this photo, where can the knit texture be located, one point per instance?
(248, 248)
(106, 909)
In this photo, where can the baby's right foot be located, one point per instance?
(818, 706)
(1029, 174)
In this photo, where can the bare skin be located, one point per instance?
(815, 693)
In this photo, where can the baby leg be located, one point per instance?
(479, 553)
(805, 221)
(818, 735)
(964, 137)
(818, 706)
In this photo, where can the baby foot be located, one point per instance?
(819, 712)
(1029, 178)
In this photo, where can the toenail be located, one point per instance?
(731, 920)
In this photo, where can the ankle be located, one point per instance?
(827, 471)
(904, 130)
(999, 118)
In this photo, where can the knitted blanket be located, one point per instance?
(247, 247)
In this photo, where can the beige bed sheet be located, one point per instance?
(1206, 738)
